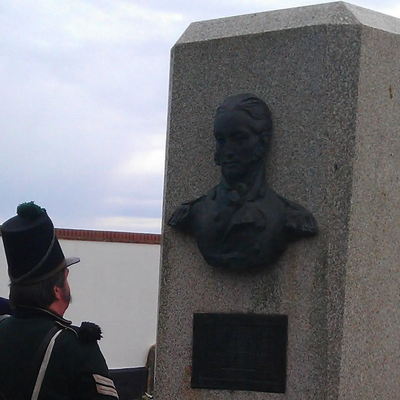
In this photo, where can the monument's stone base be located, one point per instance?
(331, 76)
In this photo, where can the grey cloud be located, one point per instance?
(78, 106)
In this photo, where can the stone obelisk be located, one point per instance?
(331, 76)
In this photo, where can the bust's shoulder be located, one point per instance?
(181, 217)
(299, 222)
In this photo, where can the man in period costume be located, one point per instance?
(42, 355)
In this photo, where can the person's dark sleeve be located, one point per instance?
(93, 379)
(87, 369)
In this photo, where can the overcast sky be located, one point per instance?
(84, 88)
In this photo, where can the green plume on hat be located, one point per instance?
(30, 210)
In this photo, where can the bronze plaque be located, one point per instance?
(240, 352)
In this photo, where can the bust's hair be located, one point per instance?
(252, 105)
(40, 294)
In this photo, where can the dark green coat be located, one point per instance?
(77, 369)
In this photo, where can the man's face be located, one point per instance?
(236, 145)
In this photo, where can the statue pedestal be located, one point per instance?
(330, 75)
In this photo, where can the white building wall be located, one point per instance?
(116, 286)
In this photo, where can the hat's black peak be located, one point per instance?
(30, 210)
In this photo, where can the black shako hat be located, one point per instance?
(31, 246)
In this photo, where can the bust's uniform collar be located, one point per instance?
(24, 312)
(255, 191)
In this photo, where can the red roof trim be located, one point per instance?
(108, 236)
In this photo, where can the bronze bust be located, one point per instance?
(242, 223)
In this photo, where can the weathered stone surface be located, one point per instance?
(330, 74)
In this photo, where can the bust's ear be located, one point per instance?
(265, 137)
(263, 144)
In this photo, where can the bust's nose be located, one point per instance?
(229, 149)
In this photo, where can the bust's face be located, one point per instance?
(236, 142)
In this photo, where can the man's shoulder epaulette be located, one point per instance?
(88, 332)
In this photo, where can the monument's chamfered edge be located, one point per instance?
(242, 223)
(335, 13)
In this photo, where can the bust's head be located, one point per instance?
(242, 130)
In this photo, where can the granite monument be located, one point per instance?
(330, 76)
